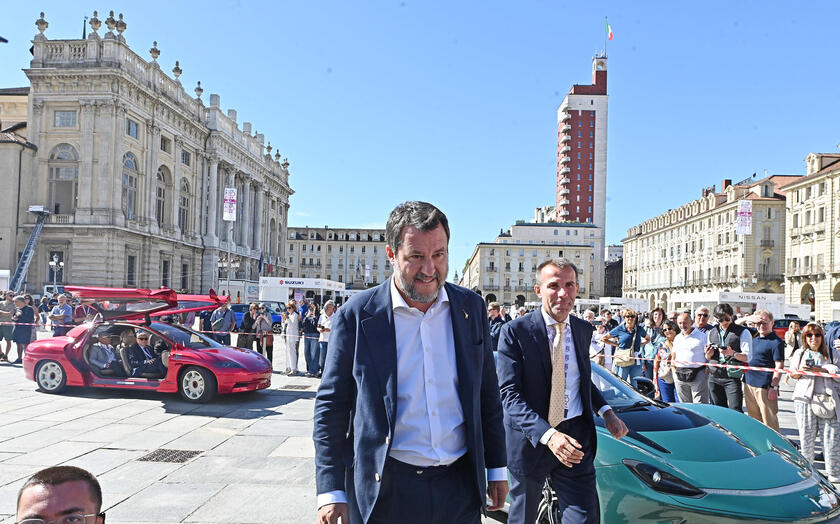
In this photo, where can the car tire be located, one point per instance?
(277, 328)
(50, 376)
(196, 384)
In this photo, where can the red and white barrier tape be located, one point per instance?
(745, 367)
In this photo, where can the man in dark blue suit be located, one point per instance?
(549, 399)
(408, 415)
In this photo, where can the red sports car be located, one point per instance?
(188, 362)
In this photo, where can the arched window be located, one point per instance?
(129, 186)
(184, 206)
(63, 179)
(162, 179)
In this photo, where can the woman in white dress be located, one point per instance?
(291, 328)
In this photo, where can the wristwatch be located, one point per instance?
(775, 387)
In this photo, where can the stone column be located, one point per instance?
(244, 230)
(197, 202)
(104, 177)
(84, 187)
(117, 131)
(177, 145)
(213, 197)
(153, 141)
(259, 218)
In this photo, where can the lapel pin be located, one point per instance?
(466, 315)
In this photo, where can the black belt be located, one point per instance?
(398, 466)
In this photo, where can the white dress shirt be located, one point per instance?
(325, 321)
(429, 429)
(574, 403)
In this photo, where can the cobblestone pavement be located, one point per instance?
(256, 455)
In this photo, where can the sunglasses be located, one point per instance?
(142, 338)
(629, 316)
(812, 335)
(701, 315)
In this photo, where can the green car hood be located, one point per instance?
(709, 446)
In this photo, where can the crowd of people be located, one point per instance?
(708, 357)
(21, 318)
(304, 322)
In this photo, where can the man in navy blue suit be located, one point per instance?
(408, 415)
(549, 399)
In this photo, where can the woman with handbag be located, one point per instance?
(814, 401)
(628, 338)
(663, 369)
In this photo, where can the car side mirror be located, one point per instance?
(644, 386)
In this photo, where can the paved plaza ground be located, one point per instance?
(255, 461)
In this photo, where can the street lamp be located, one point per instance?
(55, 265)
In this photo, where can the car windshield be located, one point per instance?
(616, 392)
(185, 337)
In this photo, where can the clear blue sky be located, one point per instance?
(375, 103)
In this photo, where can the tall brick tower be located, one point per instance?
(582, 161)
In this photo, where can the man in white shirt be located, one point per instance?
(690, 372)
(324, 328)
(408, 415)
(548, 396)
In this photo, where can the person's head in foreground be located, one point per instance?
(60, 494)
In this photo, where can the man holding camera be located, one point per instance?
(729, 344)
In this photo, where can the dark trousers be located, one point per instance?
(223, 339)
(322, 355)
(415, 495)
(155, 367)
(577, 496)
(726, 392)
(311, 353)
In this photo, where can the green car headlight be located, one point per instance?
(662, 481)
(228, 364)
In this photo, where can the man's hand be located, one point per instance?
(709, 352)
(837, 344)
(566, 449)
(772, 394)
(615, 425)
(330, 513)
(497, 491)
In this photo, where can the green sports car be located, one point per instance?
(697, 463)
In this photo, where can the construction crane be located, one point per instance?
(19, 278)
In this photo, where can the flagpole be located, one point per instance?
(606, 24)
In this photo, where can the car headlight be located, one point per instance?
(662, 481)
(230, 364)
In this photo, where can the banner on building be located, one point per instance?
(229, 208)
(367, 270)
(743, 222)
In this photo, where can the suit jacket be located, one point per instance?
(136, 356)
(356, 405)
(524, 366)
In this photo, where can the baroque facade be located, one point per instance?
(133, 168)
(812, 270)
(505, 270)
(350, 255)
(694, 248)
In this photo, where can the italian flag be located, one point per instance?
(609, 31)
